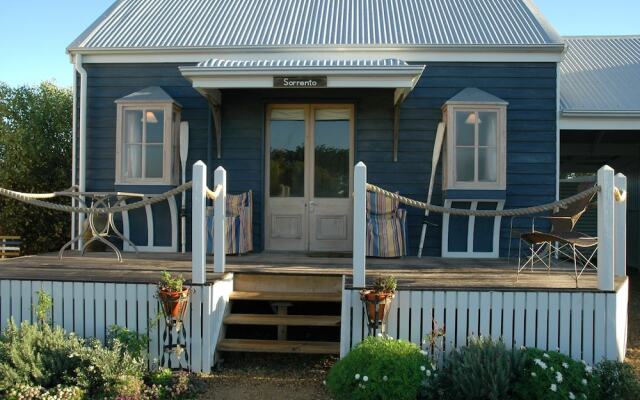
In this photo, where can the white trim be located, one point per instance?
(570, 121)
(82, 140)
(150, 247)
(434, 54)
(495, 253)
(557, 132)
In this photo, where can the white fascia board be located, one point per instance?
(435, 54)
(240, 81)
(601, 121)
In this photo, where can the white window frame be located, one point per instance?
(450, 174)
(170, 142)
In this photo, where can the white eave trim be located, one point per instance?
(538, 53)
(599, 120)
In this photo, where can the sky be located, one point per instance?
(35, 33)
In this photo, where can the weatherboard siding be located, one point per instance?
(530, 89)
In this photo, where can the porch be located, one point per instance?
(412, 272)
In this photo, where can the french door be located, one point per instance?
(309, 177)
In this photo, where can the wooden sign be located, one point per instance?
(299, 81)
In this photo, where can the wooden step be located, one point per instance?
(290, 320)
(334, 297)
(278, 346)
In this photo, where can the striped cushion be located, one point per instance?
(386, 227)
(380, 205)
(238, 225)
(236, 202)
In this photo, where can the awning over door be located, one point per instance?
(381, 73)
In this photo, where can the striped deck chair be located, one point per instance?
(238, 224)
(386, 227)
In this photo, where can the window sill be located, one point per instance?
(484, 194)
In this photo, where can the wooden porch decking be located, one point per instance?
(411, 272)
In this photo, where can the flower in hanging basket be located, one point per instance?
(379, 297)
(173, 295)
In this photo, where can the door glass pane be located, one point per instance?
(487, 164)
(487, 128)
(155, 125)
(132, 161)
(153, 161)
(464, 164)
(133, 126)
(331, 140)
(465, 128)
(287, 153)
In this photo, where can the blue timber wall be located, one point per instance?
(530, 89)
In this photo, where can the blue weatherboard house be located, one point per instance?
(288, 95)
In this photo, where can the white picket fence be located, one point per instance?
(588, 325)
(90, 308)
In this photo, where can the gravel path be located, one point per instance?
(281, 377)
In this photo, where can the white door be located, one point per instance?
(309, 177)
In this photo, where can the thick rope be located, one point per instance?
(213, 194)
(486, 213)
(27, 198)
(73, 188)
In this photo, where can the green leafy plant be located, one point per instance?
(379, 368)
(43, 307)
(165, 384)
(482, 370)
(553, 375)
(129, 341)
(26, 392)
(617, 381)
(385, 284)
(171, 283)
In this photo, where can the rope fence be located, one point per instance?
(213, 194)
(35, 200)
(564, 203)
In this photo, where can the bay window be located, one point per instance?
(147, 140)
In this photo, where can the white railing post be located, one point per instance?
(219, 212)
(606, 229)
(199, 223)
(359, 224)
(620, 235)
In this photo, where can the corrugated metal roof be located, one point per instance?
(601, 74)
(140, 24)
(288, 64)
(475, 95)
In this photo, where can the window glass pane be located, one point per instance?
(133, 126)
(465, 164)
(132, 161)
(153, 161)
(287, 157)
(465, 128)
(331, 170)
(155, 125)
(487, 128)
(487, 164)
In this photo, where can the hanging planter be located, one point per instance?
(173, 295)
(377, 303)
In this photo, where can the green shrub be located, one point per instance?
(167, 385)
(379, 368)
(484, 369)
(617, 381)
(26, 392)
(553, 375)
(37, 355)
(131, 342)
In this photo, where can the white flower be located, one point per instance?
(424, 353)
(365, 378)
(423, 368)
(589, 369)
(534, 374)
(545, 355)
(379, 334)
(91, 367)
(357, 376)
(428, 372)
(553, 387)
(384, 378)
(558, 377)
(572, 396)
(565, 365)
(584, 382)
